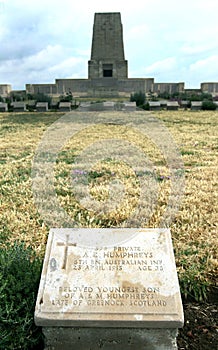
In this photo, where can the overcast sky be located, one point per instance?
(169, 40)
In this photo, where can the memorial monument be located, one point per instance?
(107, 54)
(107, 67)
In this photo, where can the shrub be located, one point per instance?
(166, 95)
(40, 97)
(209, 105)
(206, 96)
(138, 97)
(145, 106)
(66, 98)
(18, 96)
(19, 279)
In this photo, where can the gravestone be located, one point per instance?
(172, 106)
(184, 104)
(154, 105)
(129, 106)
(65, 106)
(196, 105)
(109, 289)
(31, 105)
(3, 107)
(54, 104)
(163, 104)
(108, 105)
(42, 106)
(19, 106)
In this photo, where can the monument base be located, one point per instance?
(66, 338)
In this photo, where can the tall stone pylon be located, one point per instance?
(107, 55)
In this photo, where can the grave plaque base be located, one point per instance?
(109, 289)
(59, 338)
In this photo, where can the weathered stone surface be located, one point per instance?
(172, 106)
(210, 87)
(42, 106)
(196, 105)
(109, 278)
(168, 87)
(63, 338)
(184, 104)
(65, 106)
(154, 105)
(163, 103)
(47, 89)
(5, 90)
(19, 106)
(107, 54)
(3, 107)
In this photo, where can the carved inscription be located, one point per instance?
(65, 245)
(109, 296)
(108, 261)
(117, 259)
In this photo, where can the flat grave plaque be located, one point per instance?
(109, 278)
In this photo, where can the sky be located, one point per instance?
(168, 40)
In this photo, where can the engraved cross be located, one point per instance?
(65, 244)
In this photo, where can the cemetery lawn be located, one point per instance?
(194, 229)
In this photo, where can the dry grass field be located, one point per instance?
(194, 228)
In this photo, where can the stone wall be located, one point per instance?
(211, 88)
(75, 86)
(168, 87)
(135, 85)
(5, 90)
(103, 87)
(46, 89)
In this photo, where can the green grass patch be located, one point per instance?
(67, 156)
(19, 279)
